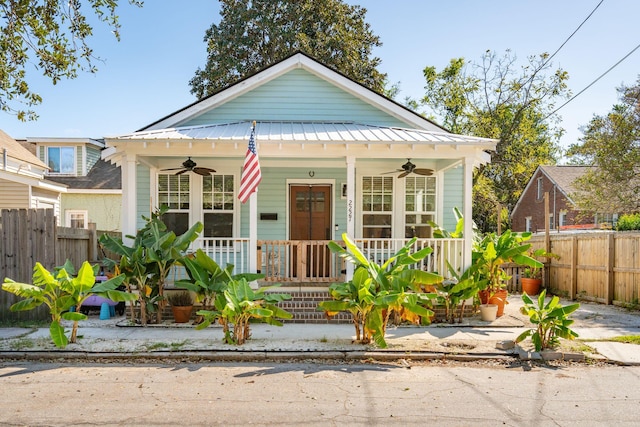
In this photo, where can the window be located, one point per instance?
(420, 205)
(217, 205)
(76, 219)
(377, 206)
(540, 189)
(174, 193)
(551, 222)
(562, 218)
(527, 224)
(61, 159)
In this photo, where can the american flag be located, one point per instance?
(251, 175)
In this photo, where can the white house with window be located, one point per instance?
(23, 179)
(94, 191)
(335, 157)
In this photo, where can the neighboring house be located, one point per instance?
(23, 180)
(529, 212)
(94, 191)
(331, 153)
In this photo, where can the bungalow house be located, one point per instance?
(335, 157)
(94, 191)
(23, 179)
(529, 212)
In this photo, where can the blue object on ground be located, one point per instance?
(105, 311)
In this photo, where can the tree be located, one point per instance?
(51, 35)
(254, 34)
(494, 99)
(612, 144)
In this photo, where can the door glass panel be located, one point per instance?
(318, 202)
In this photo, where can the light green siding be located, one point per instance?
(93, 155)
(272, 198)
(297, 95)
(78, 160)
(143, 187)
(453, 196)
(104, 210)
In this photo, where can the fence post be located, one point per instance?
(93, 243)
(574, 268)
(609, 275)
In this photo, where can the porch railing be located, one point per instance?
(311, 260)
(443, 250)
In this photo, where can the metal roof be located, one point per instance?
(318, 132)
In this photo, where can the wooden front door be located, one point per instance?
(310, 219)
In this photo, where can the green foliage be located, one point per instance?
(628, 222)
(180, 299)
(494, 99)
(551, 320)
(254, 34)
(610, 143)
(207, 278)
(51, 36)
(238, 305)
(375, 291)
(147, 263)
(454, 292)
(62, 291)
(490, 253)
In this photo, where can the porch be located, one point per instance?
(311, 262)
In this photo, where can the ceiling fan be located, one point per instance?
(191, 166)
(409, 167)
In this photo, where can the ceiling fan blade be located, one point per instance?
(395, 171)
(424, 172)
(403, 174)
(171, 169)
(182, 171)
(203, 171)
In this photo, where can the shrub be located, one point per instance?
(628, 222)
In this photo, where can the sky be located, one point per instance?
(146, 75)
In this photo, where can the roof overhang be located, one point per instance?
(300, 139)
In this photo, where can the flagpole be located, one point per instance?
(253, 226)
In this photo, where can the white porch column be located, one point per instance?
(351, 206)
(129, 205)
(253, 232)
(468, 211)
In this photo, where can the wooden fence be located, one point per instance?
(28, 236)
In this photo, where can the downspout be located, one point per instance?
(4, 159)
(556, 222)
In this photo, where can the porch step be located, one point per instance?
(304, 306)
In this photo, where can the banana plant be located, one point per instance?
(551, 320)
(64, 292)
(376, 291)
(238, 305)
(147, 263)
(207, 278)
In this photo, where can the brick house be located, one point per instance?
(529, 213)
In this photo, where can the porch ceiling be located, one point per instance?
(308, 132)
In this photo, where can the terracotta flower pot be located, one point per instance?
(499, 299)
(181, 314)
(530, 286)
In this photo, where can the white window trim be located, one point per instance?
(527, 223)
(69, 212)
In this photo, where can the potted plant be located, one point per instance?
(181, 306)
(531, 280)
(490, 254)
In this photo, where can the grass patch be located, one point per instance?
(626, 339)
(156, 346)
(178, 345)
